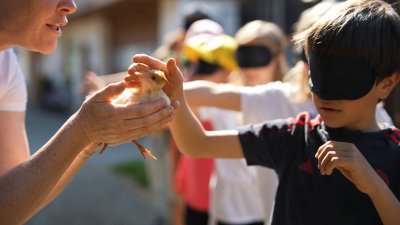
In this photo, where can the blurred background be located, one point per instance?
(120, 187)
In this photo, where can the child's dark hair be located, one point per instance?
(364, 29)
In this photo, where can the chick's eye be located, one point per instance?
(153, 77)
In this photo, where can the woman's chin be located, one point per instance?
(45, 49)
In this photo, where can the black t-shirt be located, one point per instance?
(304, 196)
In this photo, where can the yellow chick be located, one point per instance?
(146, 87)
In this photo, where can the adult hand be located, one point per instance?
(173, 88)
(350, 162)
(101, 121)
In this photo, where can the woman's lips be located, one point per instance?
(54, 28)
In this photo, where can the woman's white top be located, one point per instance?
(13, 91)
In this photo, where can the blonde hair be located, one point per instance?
(268, 34)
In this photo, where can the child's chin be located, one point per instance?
(333, 124)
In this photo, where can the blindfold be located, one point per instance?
(205, 68)
(253, 56)
(340, 78)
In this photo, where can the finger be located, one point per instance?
(171, 65)
(138, 111)
(137, 133)
(338, 162)
(321, 148)
(109, 92)
(133, 70)
(173, 70)
(137, 67)
(144, 131)
(176, 104)
(150, 61)
(331, 165)
(325, 160)
(322, 151)
(150, 119)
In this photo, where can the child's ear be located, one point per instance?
(386, 85)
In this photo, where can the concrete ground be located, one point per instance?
(97, 195)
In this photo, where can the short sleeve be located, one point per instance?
(266, 144)
(13, 90)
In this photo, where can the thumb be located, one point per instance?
(111, 91)
(173, 69)
(171, 65)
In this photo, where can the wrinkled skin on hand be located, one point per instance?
(101, 121)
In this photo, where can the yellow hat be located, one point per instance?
(212, 47)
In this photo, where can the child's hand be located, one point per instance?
(173, 88)
(350, 162)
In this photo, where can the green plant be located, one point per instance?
(134, 170)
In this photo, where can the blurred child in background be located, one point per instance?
(211, 57)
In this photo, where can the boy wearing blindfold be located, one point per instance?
(340, 167)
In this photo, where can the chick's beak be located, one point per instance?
(162, 75)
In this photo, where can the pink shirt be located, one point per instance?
(192, 179)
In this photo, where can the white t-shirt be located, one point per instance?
(234, 192)
(273, 101)
(13, 91)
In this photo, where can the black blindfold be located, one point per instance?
(205, 68)
(340, 78)
(253, 56)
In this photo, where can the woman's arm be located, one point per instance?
(69, 174)
(207, 93)
(32, 183)
(24, 187)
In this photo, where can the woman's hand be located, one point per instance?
(101, 121)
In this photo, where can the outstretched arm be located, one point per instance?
(31, 183)
(207, 93)
(67, 177)
(351, 163)
(15, 150)
(187, 131)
